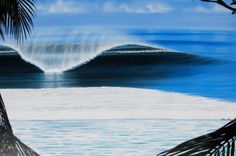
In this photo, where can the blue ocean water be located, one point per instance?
(209, 80)
(135, 137)
(110, 137)
(216, 81)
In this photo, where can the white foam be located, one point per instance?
(59, 51)
(111, 103)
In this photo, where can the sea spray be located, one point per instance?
(56, 51)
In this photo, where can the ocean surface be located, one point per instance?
(126, 137)
(216, 80)
(109, 137)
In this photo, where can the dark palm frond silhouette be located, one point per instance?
(9, 144)
(218, 143)
(16, 18)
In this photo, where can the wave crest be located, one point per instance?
(58, 52)
(58, 58)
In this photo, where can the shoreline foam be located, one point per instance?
(111, 103)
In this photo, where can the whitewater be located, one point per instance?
(68, 50)
(110, 120)
(111, 103)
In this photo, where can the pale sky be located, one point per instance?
(144, 14)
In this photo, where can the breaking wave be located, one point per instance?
(61, 58)
(58, 51)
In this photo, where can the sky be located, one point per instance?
(134, 14)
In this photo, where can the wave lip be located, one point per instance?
(151, 55)
(135, 49)
(5, 50)
(133, 55)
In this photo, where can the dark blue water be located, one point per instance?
(216, 80)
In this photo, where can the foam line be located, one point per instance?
(111, 103)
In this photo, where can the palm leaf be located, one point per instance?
(16, 18)
(9, 144)
(218, 143)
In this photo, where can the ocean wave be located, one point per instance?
(81, 58)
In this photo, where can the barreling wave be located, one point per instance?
(55, 58)
(59, 50)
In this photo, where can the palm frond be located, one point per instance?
(16, 18)
(9, 144)
(218, 143)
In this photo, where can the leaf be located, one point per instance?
(16, 18)
(219, 143)
(9, 144)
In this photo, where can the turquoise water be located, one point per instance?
(109, 137)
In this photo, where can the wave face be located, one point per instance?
(134, 55)
(84, 59)
(60, 57)
(11, 62)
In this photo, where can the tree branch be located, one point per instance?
(224, 4)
